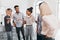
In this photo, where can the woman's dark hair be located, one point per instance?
(30, 9)
(16, 6)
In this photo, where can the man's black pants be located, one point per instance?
(41, 37)
(18, 29)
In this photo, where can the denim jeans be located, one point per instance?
(18, 29)
(9, 35)
(28, 32)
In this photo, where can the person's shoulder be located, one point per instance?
(25, 17)
(32, 16)
(21, 13)
(5, 16)
(14, 14)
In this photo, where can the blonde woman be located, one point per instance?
(49, 22)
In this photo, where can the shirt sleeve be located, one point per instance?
(25, 18)
(5, 20)
(14, 18)
(33, 19)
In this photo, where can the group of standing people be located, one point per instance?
(44, 31)
(18, 21)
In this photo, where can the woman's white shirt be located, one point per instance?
(50, 24)
(29, 20)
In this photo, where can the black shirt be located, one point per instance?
(8, 26)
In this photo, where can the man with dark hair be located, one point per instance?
(7, 21)
(18, 22)
(16, 6)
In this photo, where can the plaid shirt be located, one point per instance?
(39, 26)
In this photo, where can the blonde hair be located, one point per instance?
(44, 9)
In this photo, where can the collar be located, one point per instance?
(29, 16)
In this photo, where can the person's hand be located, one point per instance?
(18, 19)
(7, 21)
(36, 30)
(36, 21)
(14, 24)
(24, 22)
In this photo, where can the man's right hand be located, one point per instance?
(8, 22)
(24, 22)
(14, 24)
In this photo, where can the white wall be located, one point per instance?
(24, 4)
(10, 4)
(53, 5)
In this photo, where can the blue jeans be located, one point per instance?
(9, 35)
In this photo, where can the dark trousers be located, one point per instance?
(43, 37)
(18, 29)
(40, 37)
(49, 38)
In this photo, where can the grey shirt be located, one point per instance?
(39, 24)
(18, 19)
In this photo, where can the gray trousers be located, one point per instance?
(28, 32)
(9, 35)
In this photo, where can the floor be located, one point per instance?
(3, 35)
